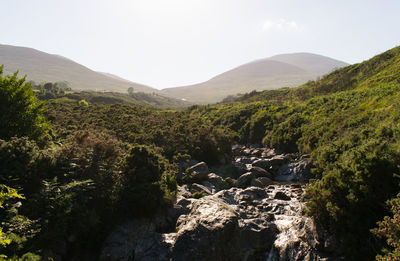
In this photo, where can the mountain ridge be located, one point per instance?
(284, 70)
(44, 67)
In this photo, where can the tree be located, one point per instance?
(20, 112)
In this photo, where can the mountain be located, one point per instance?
(43, 67)
(286, 70)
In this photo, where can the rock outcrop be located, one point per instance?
(252, 218)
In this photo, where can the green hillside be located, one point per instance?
(349, 123)
(288, 70)
(43, 67)
(50, 92)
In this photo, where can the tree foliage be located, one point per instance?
(21, 113)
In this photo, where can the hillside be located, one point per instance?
(287, 70)
(43, 67)
(147, 100)
(348, 123)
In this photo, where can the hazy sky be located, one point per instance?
(167, 43)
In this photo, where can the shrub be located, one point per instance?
(389, 228)
(148, 180)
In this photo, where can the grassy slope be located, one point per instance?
(137, 99)
(349, 122)
(44, 67)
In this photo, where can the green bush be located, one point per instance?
(389, 228)
(24, 165)
(147, 183)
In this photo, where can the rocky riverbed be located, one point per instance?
(256, 215)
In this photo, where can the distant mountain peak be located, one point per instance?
(284, 70)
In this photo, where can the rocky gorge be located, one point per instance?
(257, 214)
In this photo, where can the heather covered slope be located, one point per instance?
(349, 123)
(287, 70)
(43, 67)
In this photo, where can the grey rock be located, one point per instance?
(237, 149)
(241, 168)
(243, 160)
(256, 152)
(199, 188)
(261, 182)
(245, 179)
(183, 192)
(294, 171)
(200, 170)
(257, 221)
(210, 225)
(268, 153)
(217, 181)
(209, 186)
(259, 172)
(247, 151)
(262, 163)
(278, 160)
(281, 195)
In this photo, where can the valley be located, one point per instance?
(107, 176)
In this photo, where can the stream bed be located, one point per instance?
(258, 215)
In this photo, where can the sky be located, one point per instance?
(169, 43)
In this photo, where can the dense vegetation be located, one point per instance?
(88, 167)
(57, 90)
(91, 165)
(349, 123)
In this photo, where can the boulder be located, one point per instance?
(241, 168)
(294, 171)
(237, 149)
(130, 234)
(261, 182)
(268, 153)
(252, 159)
(281, 195)
(259, 172)
(208, 232)
(245, 180)
(262, 163)
(247, 151)
(278, 160)
(209, 186)
(217, 181)
(256, 152)
(243, 160)
(183, 192)
(199, 171)
(199, 188)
